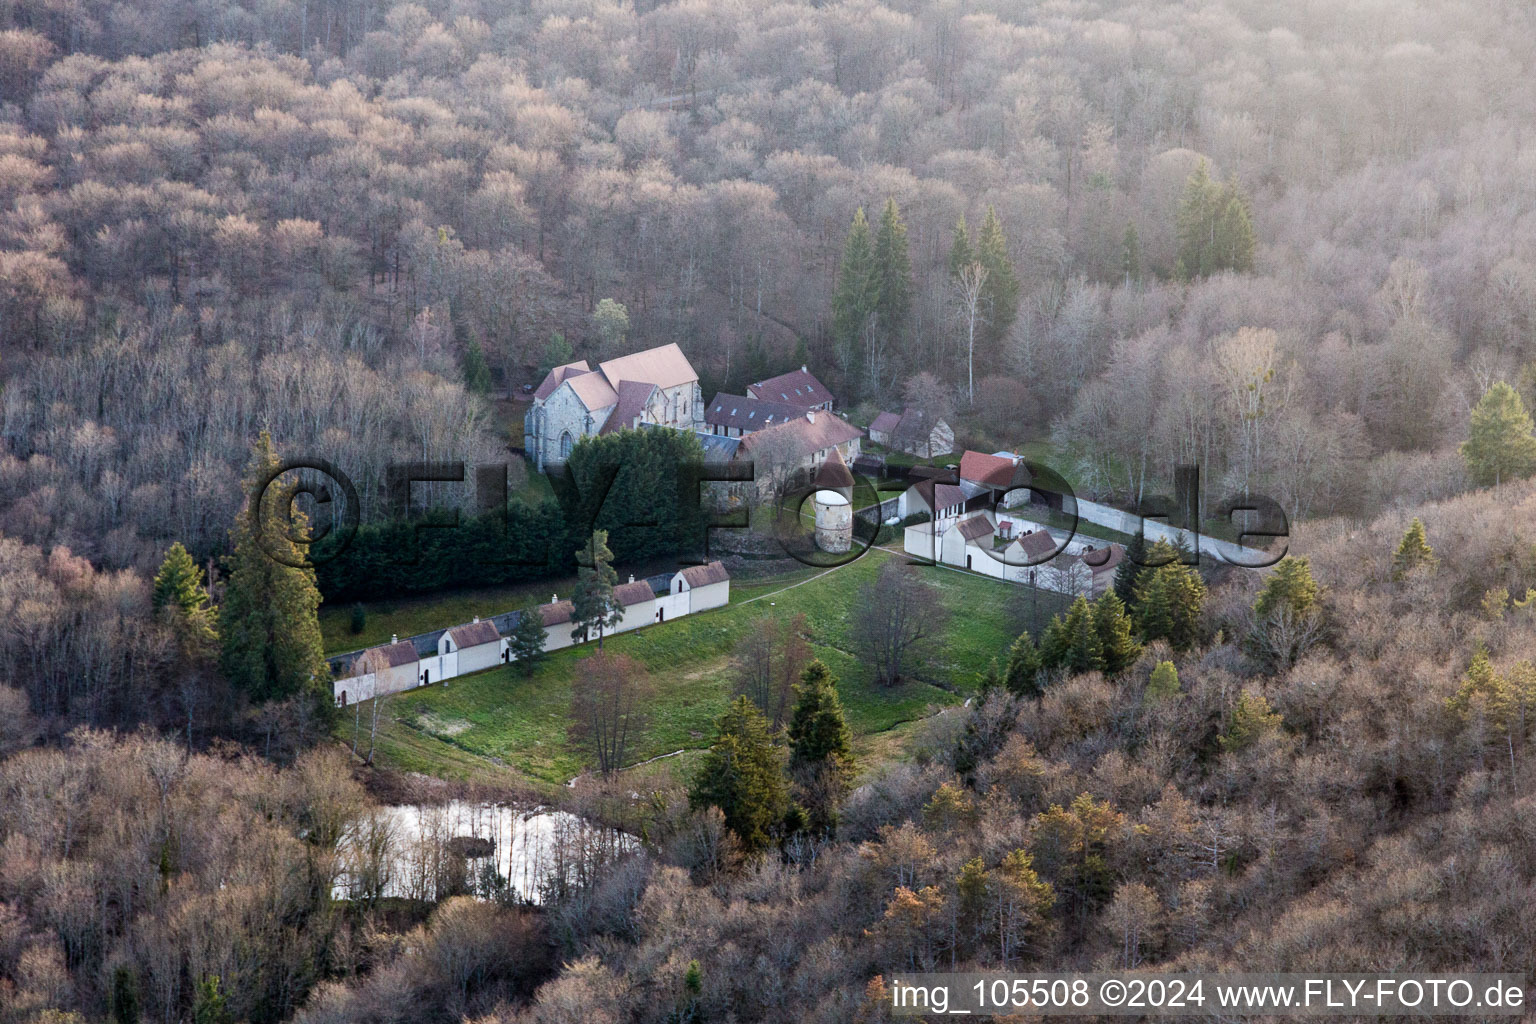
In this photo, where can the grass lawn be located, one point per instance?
(479, 724)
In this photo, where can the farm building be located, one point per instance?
(557, 617)
(474, 646)
(969, 539)
(914, 432)
(998, 473)
(882, 427)
(943, 502)
(388, 668)
(707, 586)
(639, 603)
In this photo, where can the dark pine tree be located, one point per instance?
(742, 773)
(269, 621)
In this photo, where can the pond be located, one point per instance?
(490, 850)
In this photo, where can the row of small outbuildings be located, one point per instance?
(482, 644)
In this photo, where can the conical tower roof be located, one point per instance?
(833, 474)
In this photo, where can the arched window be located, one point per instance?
(565, 445)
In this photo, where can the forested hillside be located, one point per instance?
(305, 216)
(1292, 243)
(1361, 804)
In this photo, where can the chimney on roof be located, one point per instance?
(803, 369)
(553, 598)
(810, 414)
(631, 577)
(477, 618)
(394, 638)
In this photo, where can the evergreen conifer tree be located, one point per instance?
(1250, 719)
(1289, 590)
(1215, 227)
(1022, 677)
(268, 621)
(1054, 642)
(1001, 289)
(179, 595)
(858, 292)
(1164, 683)
(594, 608)
(893, 273)
(742, 773)
(817, 728)
(1113, 625)
(1499, 443)
(1085, 651)
(820, 747)
(477, 372)
(526, 641)
(1130, 569)
(1413, 551)
(961, 255)
(178, 583)
(1169, 600)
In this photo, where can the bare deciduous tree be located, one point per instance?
(609, 694)
(898, 619)
(767, 663)
(969, 287)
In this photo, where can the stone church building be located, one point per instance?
(658, 386)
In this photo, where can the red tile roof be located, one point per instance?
(799, 388)
(1105, 559)
(806, 435)
(393, 655)
(1038, 544)
(990, 470)
(834, 473)
(664, 366)
(554, 378)
(940, 496)
(632, 396)
(914, 426)
(594, 392)
(975, 527)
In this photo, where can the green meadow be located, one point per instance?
(498, 722)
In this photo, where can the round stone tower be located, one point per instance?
(834, 522)
(833, 503)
